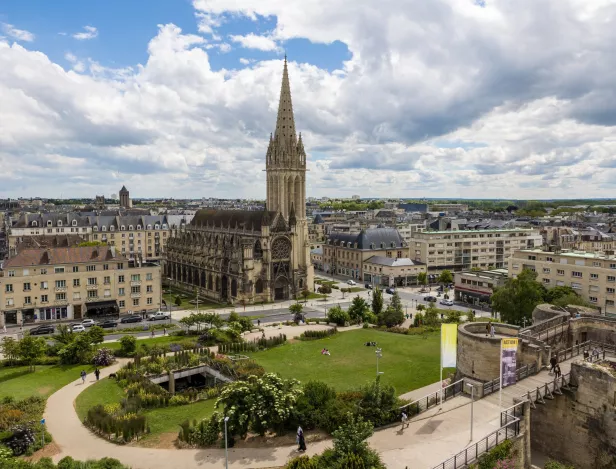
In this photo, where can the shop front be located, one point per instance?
(102, 309)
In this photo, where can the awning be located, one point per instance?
(102, 305)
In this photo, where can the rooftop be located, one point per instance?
(59, 256)
(564, 253)
(495, 230)
(392, 261)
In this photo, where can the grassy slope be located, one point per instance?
(168, 419)
(409, 362)
(157, 340)
(20, 383)
(106, 391)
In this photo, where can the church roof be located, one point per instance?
(285, 122)
(248, 219)
(372, 238)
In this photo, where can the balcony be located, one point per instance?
(60, 289)
(135, 283)
(60, 302)
(92, 287)
(91, 298)
(135, 295)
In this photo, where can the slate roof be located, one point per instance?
(58, 256)
(393, 261)
(248, 219)
(372, 238)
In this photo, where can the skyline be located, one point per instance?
(456, 99)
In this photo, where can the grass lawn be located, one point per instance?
(187, 297)
(408, 362)
(19, 383)
(106, 391)
(162, 340)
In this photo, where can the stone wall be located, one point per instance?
(592, 328)
(579, 427)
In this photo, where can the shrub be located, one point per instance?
(313, 335)
(103, 357)
(128, 345)
(22, 437)
(338, 316)
(556, 465)
(391, 317)
(79, 350)
(309, 408)
(206, 433)
(301, 462)
(124, 427)
(499, 452)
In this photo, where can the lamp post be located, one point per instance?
(472, 402)
(226, 450)
(379, 354)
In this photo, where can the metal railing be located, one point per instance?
(547, 390)
(574, 351)
(509, 429)
(535, 329)
(552, 331)
(521, 373)
(433, 399)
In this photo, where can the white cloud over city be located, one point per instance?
(438, 99)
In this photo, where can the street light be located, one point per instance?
(379, 354)
(226, 450)
(472, 401)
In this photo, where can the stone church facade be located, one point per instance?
(247, 257)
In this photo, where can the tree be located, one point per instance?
(178, 300)
(377, 301)
(80, 350)
(393, 314)
(128, 345)
(305, 294)
(258, 404)
(430, 317)
(555, 293)
(10, 348)
(358, 309)
(517, 298)
(338, 316)
(446, 277)
(64, 334)
(572, 299)
(32, 349)
(296, 309)
(452, 316)
(96, 334)
(351, 437)
(422, 278)
(325, 290)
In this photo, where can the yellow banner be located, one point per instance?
(449, 345)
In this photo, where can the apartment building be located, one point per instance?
(345, 253)
(390, 271)
(467, 249)
(407, 230)
(476, 287)
(592, 275)
(74, 283)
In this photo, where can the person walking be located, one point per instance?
(164, 331)
(404, 419)
(97, 373)
(557, 371)
(488, 324)
(152, 333)
(492, 331)
(83, 376)
(258, 323)
(553, 362)
(301, 441)
(4, 329)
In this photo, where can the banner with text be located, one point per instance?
(509, 349)
(449, 345)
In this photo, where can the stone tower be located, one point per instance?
(124, 198)
(285, 165)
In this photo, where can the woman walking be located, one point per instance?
(301, 440)
(83, 376)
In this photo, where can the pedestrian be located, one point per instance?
(97, 373)
(258, 323)
(488, 324)
(83, 376)
(404, 420)
(263, 334)
(4, 329)
(553, 362)
(492, 331)
(301, 441)
(152, 333)
(164, 331)
(557, 371)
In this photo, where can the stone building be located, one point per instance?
(124, 198)
(252, 256)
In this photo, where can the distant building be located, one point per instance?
(124, 198)
(476, 287)
(355, 197)
(389, 271)
(99, 202)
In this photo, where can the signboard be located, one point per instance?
(449, 344)
(509, 349)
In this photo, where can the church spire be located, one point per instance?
(285, 123)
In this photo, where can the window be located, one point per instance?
(546, 270)
(609, 302)
(76, 296)
(576, 274)
(105, 266)
(576, 286)
(596, 264)
(120, 291)
(120, 266)
(149, 301)
(10, 302)
(532, 258)
(515, 266)
(92, 281)
(136, 302)
(11, 273)
(136, 289)
(44, 285)
(135, 278)
(560, 272)
(107, 293)
(612, 266)
(27, 286)
(44, 298)
(149, 289)
(120, 278)
(611, 278)
(546, 280)
(92, 293)
(148, 276)
(75, 268)
(27, 300)
(549, 259)
(593, 299)
(60, 296)
(594, 276)
(611, 290)
(107, 280)
(8, 288)
(122, 303)
(76, 282)
(43, 271)
(60, 283)
(90, 268)
(26, 272)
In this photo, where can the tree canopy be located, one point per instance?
(518, 297)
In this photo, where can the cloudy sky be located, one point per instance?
(406, 98)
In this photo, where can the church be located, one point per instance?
(247, 257)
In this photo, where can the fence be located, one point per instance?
(433, 399)
(510, 428)
(535, 329)
(521, 373)
(547, 390)
(552, 331)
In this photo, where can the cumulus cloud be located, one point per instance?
(444, 98)
(89, 32)
(17, 34)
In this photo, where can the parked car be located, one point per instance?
(107, 323)
(430, 298)
(351, 282)
(369, 286)
(88, 322)
(446, 302)
(159, 315)
(78, 328)
(44, 329)
(390, 290)
(132, 318)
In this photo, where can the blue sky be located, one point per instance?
(126, 26)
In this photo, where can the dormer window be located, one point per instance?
(393, 245)
(59, 222)
(382, 245)
(355, 245)
(112, 228)
(130, 227)
(74, 222)
(149, 227)
(138, 227)
(122, 228)
(164, 226)
(95, 228)
(157, 227)
(48, 222)
(372, 245)
(34, 223)
(104, 228)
